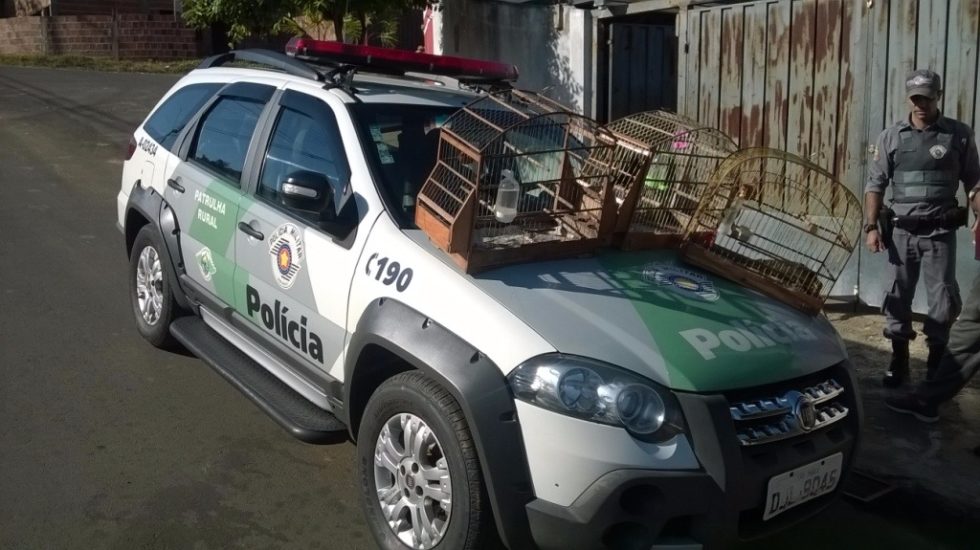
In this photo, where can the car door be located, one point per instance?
(205, 187)
(295, 263)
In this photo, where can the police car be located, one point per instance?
(623, 400)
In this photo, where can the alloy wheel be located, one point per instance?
(149, 285)
(412, 480)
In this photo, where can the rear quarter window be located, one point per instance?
(167, 122)
(224, 135)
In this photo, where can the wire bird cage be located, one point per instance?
(661, 165)
(776, 223)
(515, 181)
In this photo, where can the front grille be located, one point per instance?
(794, 412)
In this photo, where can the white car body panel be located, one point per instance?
(566, 455)
(439, 291)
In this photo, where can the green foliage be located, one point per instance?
(243, 17)
(359, 19)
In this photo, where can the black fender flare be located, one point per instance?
(152, 206)
(478, 386)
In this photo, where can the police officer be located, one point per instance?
(924, 158)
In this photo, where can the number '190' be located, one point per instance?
(388, 272)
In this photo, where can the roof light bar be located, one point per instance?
(387, 60)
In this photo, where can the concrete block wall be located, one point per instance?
(89, 35)
(158, 37)
(20, 35)
(130, 36)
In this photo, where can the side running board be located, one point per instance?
(302, 419)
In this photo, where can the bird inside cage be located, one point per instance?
(728, 218)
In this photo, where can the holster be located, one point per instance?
(886, 219)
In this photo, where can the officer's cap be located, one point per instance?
(923, 82)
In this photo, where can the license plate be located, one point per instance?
(805, 483)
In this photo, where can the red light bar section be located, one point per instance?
(398, 60)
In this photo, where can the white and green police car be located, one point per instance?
(623, 400)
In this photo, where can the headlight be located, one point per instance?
(594, 391)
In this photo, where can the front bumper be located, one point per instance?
(722, 502)
(631, 509)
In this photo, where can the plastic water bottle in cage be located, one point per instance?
(508, 193)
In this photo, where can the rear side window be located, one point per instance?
(224, 135)
(168, 121)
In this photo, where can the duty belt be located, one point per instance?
(949, 219)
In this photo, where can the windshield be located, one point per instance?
(402, 142)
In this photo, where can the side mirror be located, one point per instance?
(308, 192)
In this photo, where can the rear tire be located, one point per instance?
(150, 289)
(421, 485)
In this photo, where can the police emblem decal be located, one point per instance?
(805, 412)
(937, 151)
(286, 248)
(682, 281)
(919, 80)
(206, 262)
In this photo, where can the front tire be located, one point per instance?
(419, 472)
(150, 289)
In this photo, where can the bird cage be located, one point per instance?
(777, 223)
(509, 184)
(662, 163)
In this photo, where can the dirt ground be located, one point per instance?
(869, 349)
(935, 461)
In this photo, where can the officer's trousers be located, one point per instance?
(936, 257)
(962, 357)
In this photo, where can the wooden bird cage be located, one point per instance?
(777, 223)
(564, 208)
(662, 163)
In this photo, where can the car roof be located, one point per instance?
(411, 89)
(376, 89)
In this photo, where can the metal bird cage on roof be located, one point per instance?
(514, 181)
(777, 223)
(662, 164)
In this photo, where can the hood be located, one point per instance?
(668, 321)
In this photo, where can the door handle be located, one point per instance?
(175, 184)
(250, 231)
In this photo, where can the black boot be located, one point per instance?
(898, 370)
(932, 362)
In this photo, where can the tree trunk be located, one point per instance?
(364, 28)
(338, 24)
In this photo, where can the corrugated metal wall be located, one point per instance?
(821, 79)
(942, 35)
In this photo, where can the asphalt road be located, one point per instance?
(106, 442)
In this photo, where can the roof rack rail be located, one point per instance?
(265, 57)
(348, 57)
